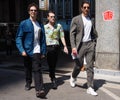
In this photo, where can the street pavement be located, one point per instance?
(12, 81)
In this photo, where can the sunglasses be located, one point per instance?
(33, 10)
(86, 7)
(52, 16)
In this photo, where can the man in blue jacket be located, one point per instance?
(30, 41)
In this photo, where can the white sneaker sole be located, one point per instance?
(95, 94)
(73, 86)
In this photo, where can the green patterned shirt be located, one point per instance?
(53, 35)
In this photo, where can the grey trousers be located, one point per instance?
(87, 50)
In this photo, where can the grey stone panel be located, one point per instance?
(107, 61)
(108, 43)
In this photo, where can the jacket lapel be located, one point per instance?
(80, 22)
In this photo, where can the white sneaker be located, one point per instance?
(91, 91)
(72, 81)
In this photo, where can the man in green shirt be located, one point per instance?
(54, 32)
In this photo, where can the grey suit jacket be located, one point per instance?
(77, 31)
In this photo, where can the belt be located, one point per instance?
(53, 46)
(88, 41)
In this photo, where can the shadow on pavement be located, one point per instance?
(97, 84)
(9, 77)
(60, 81)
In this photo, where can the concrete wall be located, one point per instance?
(108, 44)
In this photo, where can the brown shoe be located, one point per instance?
(37, 93)
(40, 94)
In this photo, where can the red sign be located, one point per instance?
(108, 15)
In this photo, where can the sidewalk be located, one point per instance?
(12, 88)
(12, 82)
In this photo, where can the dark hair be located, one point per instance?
(85, 1)
(50, 11)
(47, 14)
(32, 4)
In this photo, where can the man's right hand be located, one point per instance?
(24, 54)
(74, 51)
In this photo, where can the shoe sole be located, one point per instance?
(91, 94)
(72, 85)
(27, 89)
(54, 88)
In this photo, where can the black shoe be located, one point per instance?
(27, 87)
(40, 94)
(54, 83)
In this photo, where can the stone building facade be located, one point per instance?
(107, 19)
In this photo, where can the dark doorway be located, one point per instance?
(75, 7)
(12, 10)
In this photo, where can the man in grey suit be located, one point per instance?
(83, 41)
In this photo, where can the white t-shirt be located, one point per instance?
(37, 31)
(87, 28)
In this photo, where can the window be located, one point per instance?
(62, 8)
(52, 4)
(68, 8)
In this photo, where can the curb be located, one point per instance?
(107, 72)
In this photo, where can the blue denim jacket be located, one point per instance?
(25, 38)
